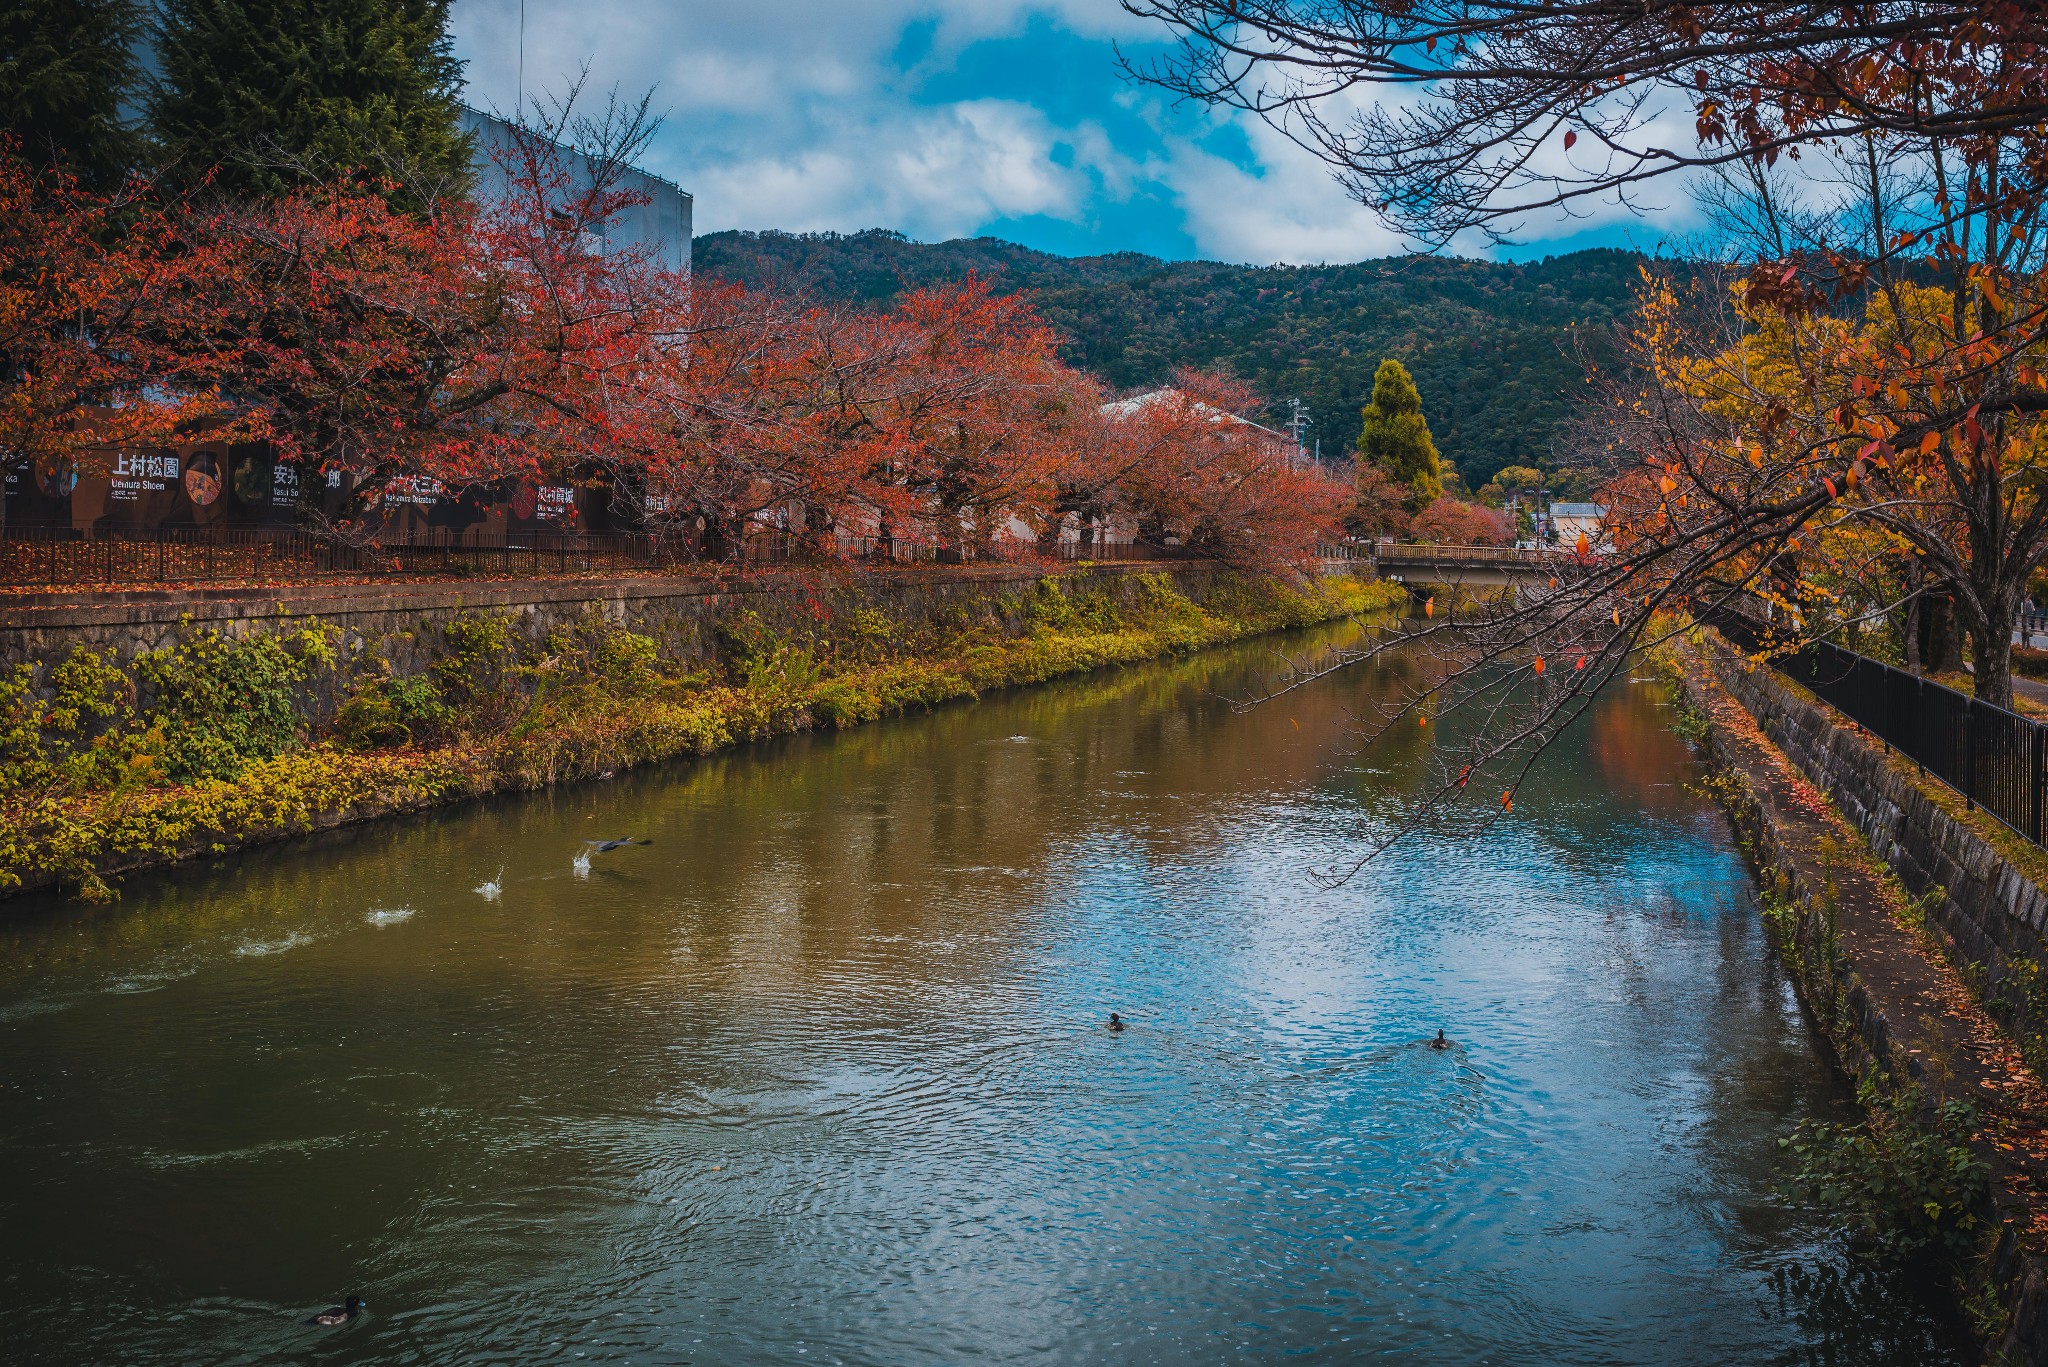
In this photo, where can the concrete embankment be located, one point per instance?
(140, 730)
(402, 624)
(1901, 914)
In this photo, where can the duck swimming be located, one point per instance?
(1116, 1022)
(340, 1314)
(1439, 1042)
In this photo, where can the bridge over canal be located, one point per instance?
(1467, 566)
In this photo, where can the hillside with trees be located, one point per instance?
(1496, 350)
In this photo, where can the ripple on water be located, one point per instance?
(826, 1079)
(246, 1154)
(153, 981)
(256, 949)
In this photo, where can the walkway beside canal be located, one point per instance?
(1875, 979)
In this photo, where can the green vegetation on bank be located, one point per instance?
(201, 748)
(1498, 348)
(1903, 1177)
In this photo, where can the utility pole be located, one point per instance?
(1297, 420)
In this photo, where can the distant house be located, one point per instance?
(662, 224)
(1570, 521)
(1274, 444)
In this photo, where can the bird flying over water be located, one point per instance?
(581, 863)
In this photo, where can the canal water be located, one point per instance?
(822, 1076)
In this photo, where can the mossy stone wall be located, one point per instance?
(1993, 912)
(404, 625)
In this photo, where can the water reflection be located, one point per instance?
(820, 1074)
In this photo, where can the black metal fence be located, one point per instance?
(185, 556)
(1993, 757)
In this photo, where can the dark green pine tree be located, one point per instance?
(1395, 435)
(270, 94)
(66, 67)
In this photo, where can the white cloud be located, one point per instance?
(793, 113)
(799, 114)
(1291, 210)
(720, 55)
(939, 172)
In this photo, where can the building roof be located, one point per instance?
(1124, 408)
(1594, 510)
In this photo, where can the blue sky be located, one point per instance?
(967, 117)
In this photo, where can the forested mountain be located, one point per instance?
(1495, 349)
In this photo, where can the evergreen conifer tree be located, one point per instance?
(269, 94)
(66, 67)
(1396, 436)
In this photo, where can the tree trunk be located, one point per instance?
(1938, 646)
(1991, 654)
(1991, 609)
(723, 537)
(817, 531)
(1913, 582)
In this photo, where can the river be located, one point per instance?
(822, 1076)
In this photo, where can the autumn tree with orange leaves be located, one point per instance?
(948, 424)
(1869, 387)
(92, 285)
(473, 343)
(1214, 481)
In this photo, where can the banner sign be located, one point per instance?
(213, 484)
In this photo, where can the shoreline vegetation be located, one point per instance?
(208, 746)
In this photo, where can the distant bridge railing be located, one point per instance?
(1993, 757)
(1433, 553)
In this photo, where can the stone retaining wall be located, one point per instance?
(1991, 913)
(403, 624)
(1895, 1010)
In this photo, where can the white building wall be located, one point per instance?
(662, 223)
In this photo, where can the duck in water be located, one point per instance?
(1116, 1022)
(340, 1314)
(1439, 1042)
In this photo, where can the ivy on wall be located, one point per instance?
(206, 745)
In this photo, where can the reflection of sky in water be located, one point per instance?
(821, 1074)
